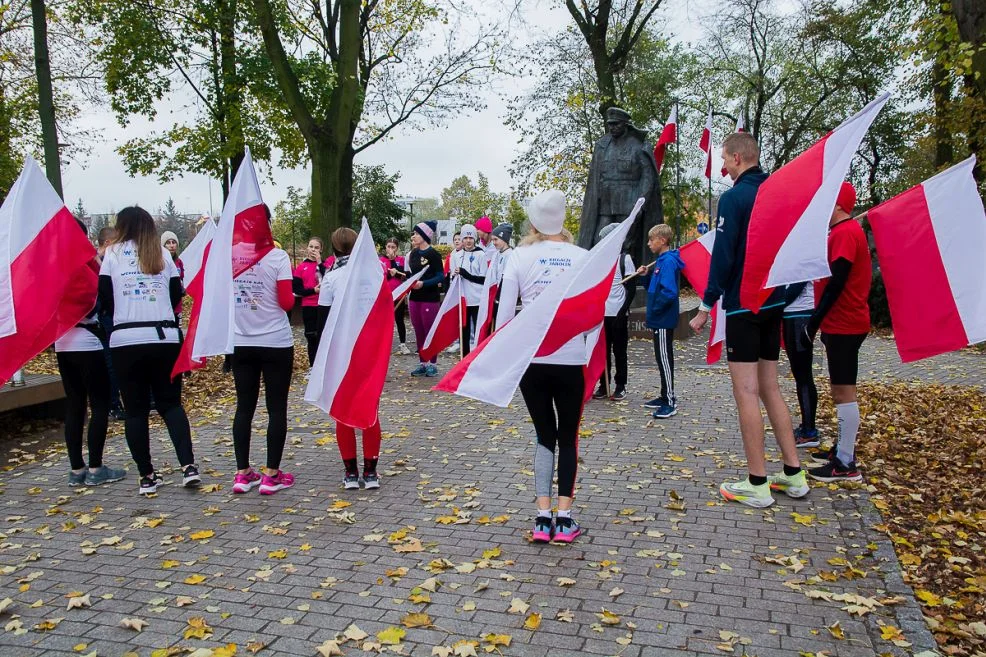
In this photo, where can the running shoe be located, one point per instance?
(371, 480)
(244, 482)
(420, 370)
(270, 485)
(453, 348)
(431, 371)
(806, 437)
(148, 485)
(836, 470)
(566, 530)
(620, 393)
(657, 402)
(76, 479)
(404, 350)
(665, 411)
(600, 392)
(746, 493)
(795, 486)
(118, 414)
(190, 477)
(104, 475)
(543, 529)
(351, 481)
(821, 456)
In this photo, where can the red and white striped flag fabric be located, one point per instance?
(241, 239)
(939, 306)
(697, 256)
(404, 288)
(48, 274)
(787, 237)
(491, 285)
(592, 371)
(194, 254)
(572, 304)
(669, 135)
(705, 143)
(351, 364)
(447, 327)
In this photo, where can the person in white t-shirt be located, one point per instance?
(553, 385)
(616, 326)
(470, 264)
(139, 287)
(86, 379)
(263, 348)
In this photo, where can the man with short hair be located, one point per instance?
(752, 339)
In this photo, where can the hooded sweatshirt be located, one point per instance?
(662, 291)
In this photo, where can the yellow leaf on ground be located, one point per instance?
(533, 622)
(277, 554)
(492, 553)
(197, 628)
(391, 636)
(340, 504)
(836, 630)
(417, 619)
(495, 640)
(195, 579)
(608, 618)
(170, 563)
(803, 518)
(205, 533)
(928, 598)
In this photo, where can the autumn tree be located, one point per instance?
(464, 201)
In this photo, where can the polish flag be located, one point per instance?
(573, 304)
(787, 236)
(740, 127)
(194, 254)
(669, 135)
(940, 305)
(351, 364)
(404, 288)
(697, 256)
(48, 274)
(241, 239)
(705, 143)
(592, 371)
(491, 285)
(447, 327)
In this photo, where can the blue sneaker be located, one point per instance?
(76, 479)
(665, 411)
(431, 370)
(806, 437)
(420, 370)
(566, 530)
(657, 402)
(104, 475)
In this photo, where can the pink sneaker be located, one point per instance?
(243, 483)
(270, 485)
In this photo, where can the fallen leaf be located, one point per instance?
(78, 602)
(608, 618)
(416, 619)
(195, 579)
(204, 534)
(533, 622)
(136, 624)
(197, 628)
(518, 606)
(329, 649)
(391, 636)
(565, 581)
(353, 633)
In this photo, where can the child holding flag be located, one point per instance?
(616, 324)
(662, 314)
(471, 264)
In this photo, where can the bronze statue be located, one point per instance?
(622, 171)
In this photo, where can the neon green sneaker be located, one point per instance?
(746, 493)
(795, 486)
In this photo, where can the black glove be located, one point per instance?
(811, 329)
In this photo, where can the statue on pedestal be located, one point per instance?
(622, 171)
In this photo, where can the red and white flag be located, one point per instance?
(697, 256)
(48, 274)
(592, 371)
(491, 285)
(241, 239)
(404, 288)
(447, 327)
(705, 143)
(939, 305)
(351, 364)
(194, 254)
(787, 237)
(669, 135)
(574, 303)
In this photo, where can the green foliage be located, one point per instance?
(516, 216)
(292, 219)
(465, 202)
(374, 197)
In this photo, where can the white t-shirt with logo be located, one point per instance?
(528, 272)
(475, 262)
(139, 297)
(79, 339)
(259, 319)
(618, 293)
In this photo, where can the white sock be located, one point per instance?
(567, 513)
(848, 415)
(544, 513)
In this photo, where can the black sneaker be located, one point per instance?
(821, 456)
(835, 470)
(657, 402)
(351, 481)
(148, 485)
(118, 415)
(371, 480)
(190, 477)
(620, 393)
(544, 529)
(600, 392)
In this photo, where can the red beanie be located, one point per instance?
(484, 224)
(847, 198)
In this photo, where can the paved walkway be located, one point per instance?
(666, 569)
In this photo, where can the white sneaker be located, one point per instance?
(404, 350)
(454, 348)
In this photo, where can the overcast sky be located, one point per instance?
(427, 160)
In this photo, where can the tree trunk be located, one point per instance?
(231, 86)
(346, 217)
(970, 16)
(46, 96)
(325, 190)
(941, 93)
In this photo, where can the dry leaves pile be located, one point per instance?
(923, 450)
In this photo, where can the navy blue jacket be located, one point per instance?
(729, 250)
(662, 291)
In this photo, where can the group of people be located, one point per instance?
(131, 340)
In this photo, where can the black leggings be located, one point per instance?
(800, 354)
(547, 389)
(617, 336)
(400, 312)
(276, 365)
(86, 379)
(143, 369)
(472, 316)
(309, 315)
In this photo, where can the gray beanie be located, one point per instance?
(504, 232)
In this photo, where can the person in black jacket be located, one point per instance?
(425, 297)
(753, 340)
